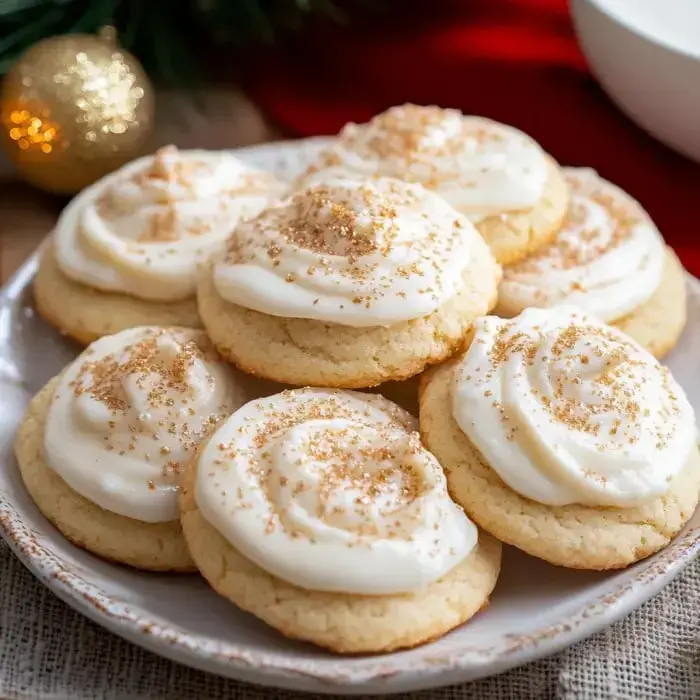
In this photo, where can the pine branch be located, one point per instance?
(163, 34)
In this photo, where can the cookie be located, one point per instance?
(610, 260)
(86, 314)
(407, 593)
(102, 445)
(151, 546)
(599, 509)
(349, 285)
(126, 250)
(494, 174)
(658, 324)
(514, 235)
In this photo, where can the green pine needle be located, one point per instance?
(163, 34)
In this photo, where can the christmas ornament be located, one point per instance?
(74, 108)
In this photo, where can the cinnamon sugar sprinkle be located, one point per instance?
(352, 231)
(579, 244)
(171, 179)
(611, 368)
(417, 132)
(426, 136)
(164, 383)
(358, 473)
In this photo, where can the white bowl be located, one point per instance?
(646, 56)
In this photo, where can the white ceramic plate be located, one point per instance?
(536, 608)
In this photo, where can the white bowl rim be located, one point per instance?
(617, 18)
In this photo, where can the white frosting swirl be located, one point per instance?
(482, 168)
(352, 252)
(332, 491)
(128, 414)
(607, 259)
(568, 410)
(144, 229)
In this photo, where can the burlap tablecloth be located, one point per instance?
(50, 652)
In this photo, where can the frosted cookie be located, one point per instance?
(349, 285)
(610, 260)
(102, 445)
(319, 511)
(126, 250)
(492, 173)
(563, 437)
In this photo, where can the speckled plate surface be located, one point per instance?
(536, 609)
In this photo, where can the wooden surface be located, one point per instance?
(215, 119)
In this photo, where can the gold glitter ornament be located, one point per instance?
(73, 109)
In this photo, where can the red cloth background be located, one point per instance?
(516, 61)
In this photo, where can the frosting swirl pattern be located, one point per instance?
(128, 414)
(568, 410)
(332, 491)
(607, 259)
(482, 168)
(351, 252)
(144, 229)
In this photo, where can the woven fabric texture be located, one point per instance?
(50, 652)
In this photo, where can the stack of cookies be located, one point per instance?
(219, 419)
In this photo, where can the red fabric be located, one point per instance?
(516, 61)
